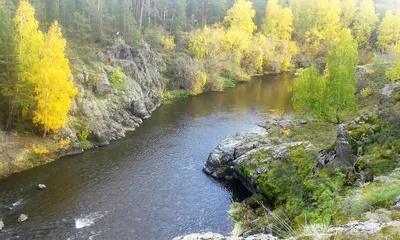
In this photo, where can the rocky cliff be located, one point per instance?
(106, 110)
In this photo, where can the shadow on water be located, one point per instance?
(149, 185)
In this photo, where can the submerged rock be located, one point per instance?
(22, 218)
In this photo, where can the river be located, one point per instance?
(149, 185)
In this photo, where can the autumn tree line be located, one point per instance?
(204, 42)
(34, 73)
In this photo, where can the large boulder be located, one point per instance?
(341, 157)
(246, 156)
(221, 159)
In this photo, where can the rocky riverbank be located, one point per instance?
(102, 111)
(361, 167)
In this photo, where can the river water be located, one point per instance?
(149, 185)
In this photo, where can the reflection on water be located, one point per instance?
(150, 184)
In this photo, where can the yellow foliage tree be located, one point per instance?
(327, 26)
(394, 72)
(365, 23)
(278, 27)
(278, 21)
(29, 46)
(389, 31)
(349, 8)
(53, 88)
(240, 17)
(199, 42)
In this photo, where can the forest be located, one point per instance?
(220, 42)
(78, 74)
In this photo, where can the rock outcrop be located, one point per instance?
(341, 157)
(216, 236)
(389, 104)
(220, 163)
(106, 110)
(252, 151)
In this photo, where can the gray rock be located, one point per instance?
(109, 110)
(359, 151)
(397, 205)
(341, 157)
(216, 236)
(221, 159)
(389, 105)
(235, 153)
(22, 218)
(386, 92)
(1, 225)
(302, 121)
(368, 227)
(201, 236)
(41, 186)
(246, 234)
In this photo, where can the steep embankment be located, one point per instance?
(106, 110)
(102, 111)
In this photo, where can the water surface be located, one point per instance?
(148, 185)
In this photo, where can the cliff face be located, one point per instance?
(107, 110)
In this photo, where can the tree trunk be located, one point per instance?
(9, 119)
(141, 16)
(337, 116)
(155, 9)
(165, 13)
(100, 18)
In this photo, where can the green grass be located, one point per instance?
(376, 195)
(174, 95)
(229, 82)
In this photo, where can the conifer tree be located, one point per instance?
(7, 67)
(29, 46)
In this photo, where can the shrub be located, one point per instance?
(64, 143)
(39, 150)
(365, 92)
(229, 82)
(118, 76)
(169, 42)
(171, 96)
(284, 132)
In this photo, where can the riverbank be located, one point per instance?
(135, 183)
(102, 111)
(312, 179)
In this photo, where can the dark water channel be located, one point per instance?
(148, 185)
